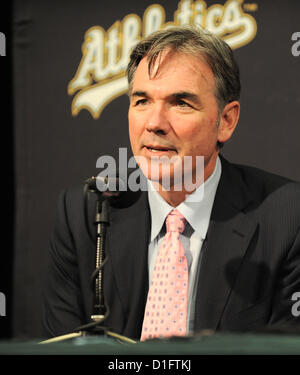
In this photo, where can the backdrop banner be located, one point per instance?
(70, 103)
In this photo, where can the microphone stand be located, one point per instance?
(100, 309)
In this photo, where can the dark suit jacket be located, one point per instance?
(249, 269)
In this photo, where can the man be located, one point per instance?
(237, 247)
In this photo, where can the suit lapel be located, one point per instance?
(228, 237)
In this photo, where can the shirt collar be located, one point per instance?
(196, 208)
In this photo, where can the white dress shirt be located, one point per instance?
(197, 210)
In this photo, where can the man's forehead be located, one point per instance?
(168, 57)
(170, 63)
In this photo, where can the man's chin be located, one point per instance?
(170, 175)
(165, 182)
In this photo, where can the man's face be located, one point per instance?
(174, 112)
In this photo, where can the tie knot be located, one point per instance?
(175, 222)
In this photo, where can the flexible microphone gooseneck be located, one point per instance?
(106, 190)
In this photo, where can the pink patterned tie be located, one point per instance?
(166, 308)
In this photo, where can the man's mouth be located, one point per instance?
(158, 148)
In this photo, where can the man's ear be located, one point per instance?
(228, 121)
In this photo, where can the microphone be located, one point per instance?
(110, 191)
(114, 188)
(106, 184)
(106, 187)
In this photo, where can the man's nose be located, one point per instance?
(157, 121)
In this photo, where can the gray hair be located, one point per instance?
(198, 42)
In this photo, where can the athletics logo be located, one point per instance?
(100, 77)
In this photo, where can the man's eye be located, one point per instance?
(141, 102)
(182, 103)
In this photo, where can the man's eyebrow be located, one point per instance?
(139, 93)
(185, 95)
(176, 95)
